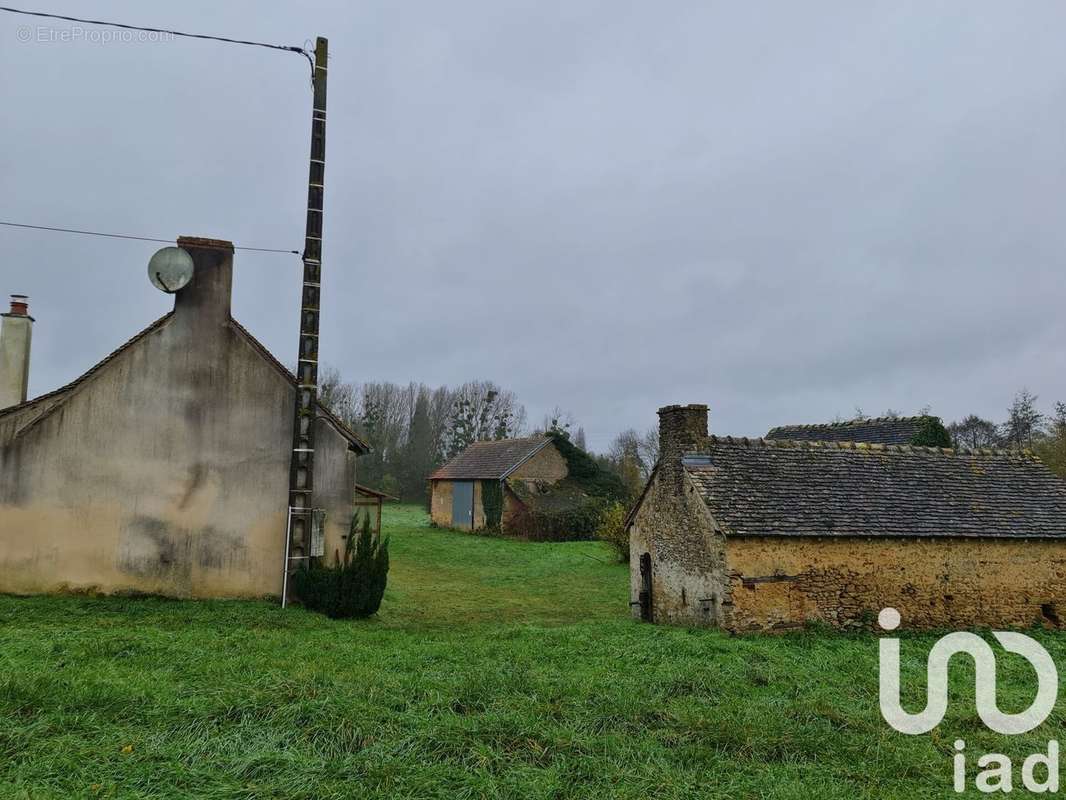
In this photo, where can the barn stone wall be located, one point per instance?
(440, 503)
(440, 506)
(689, 582)
(777, 582)
(479, 507)
(546, 466)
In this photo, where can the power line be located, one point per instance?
(227, 40)
(131, 236)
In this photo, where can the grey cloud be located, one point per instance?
(781, 210)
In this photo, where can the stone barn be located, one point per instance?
(759, 534)
(512, 470)
(164, 468)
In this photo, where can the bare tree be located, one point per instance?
(625, 458)
(1024, 422)
(579, 439)
(973, 432)
(337, 395)
(482, 411)
(557, 421)
(649, 450)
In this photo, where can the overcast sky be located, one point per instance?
(782, 210)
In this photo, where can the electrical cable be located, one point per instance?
(131, 236)
(225, 39)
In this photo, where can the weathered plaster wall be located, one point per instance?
(689, 583)
(950, 583)
(440, 504)
(16, 334)
(164, 472)
(334, 487)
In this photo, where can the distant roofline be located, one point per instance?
(907, 449)
(366, 491)
(808, 426)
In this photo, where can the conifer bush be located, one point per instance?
(355, 584)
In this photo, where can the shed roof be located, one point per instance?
(881, 430)
(366, 491)
(491, 460)
(764, 487)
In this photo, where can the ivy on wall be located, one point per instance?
(492, 502)
(583, 470)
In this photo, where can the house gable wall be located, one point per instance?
(164, 472)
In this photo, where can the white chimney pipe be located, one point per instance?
(16, 331)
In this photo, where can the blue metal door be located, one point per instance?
(463, 504)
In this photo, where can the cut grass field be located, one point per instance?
(495, 669)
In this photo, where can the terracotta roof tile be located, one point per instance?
(490, 460)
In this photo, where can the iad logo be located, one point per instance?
(996, 777)
(985, 665)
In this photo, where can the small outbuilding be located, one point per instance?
(759, 534)
(369, 501)
(489, 482)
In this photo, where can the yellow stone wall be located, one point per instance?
(547, 466)
(935, 583)
(440, 504)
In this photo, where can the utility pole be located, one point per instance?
(302, 470)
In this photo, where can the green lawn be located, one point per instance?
(495, 669)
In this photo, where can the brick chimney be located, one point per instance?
(206, 298)
(16, 330)
(681, 430)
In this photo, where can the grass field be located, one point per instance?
(495, 669)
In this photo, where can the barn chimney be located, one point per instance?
(682, 429)
(15, 333)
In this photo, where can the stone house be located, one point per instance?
(522, 469)
(165, 467)
(757, 534)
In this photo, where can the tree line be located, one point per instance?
(1025, 427)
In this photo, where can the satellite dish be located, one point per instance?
(170, 269)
